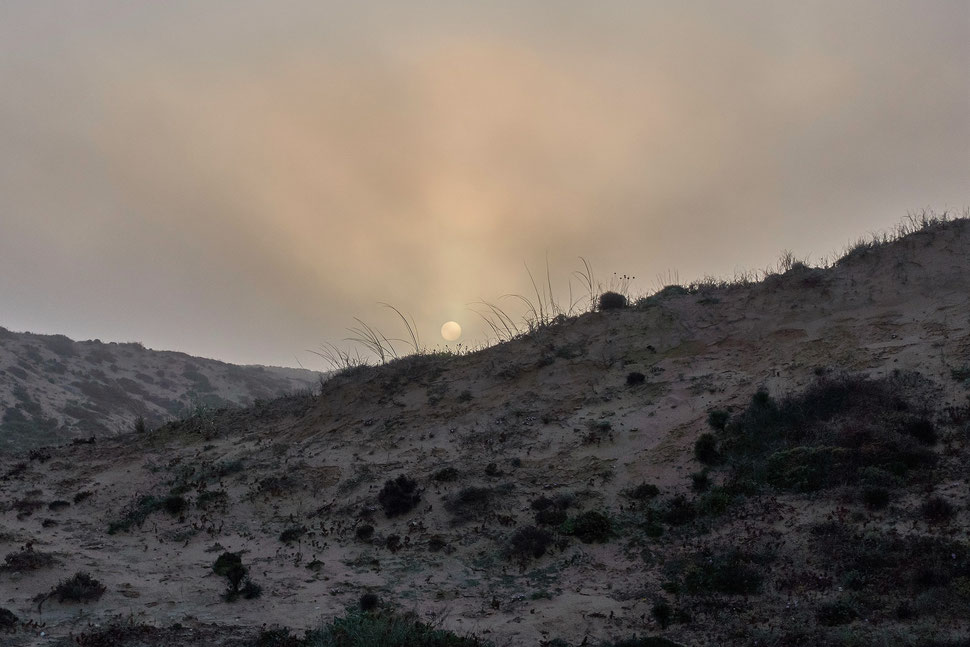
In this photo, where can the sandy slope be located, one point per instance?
(539, 415)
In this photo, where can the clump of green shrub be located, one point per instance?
(705, 449)
(838, 431)
(717, 419)
(590, 527)
(728, 571)
(369, 602)
(80, 587)
(399, 496)
(230, 566)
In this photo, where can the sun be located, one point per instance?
(451, 331)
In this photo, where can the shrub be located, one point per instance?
(399, 496)
(922, 429)
(705, 449)
(936, 510)
(7, 619)
(81, 496)
(446, 474)
(718, 419)
(27, 559)
(836, 612)
(365, 532)
(678, 511)
(292, 534)
(56, 506)
(590, 527)
(469, 502)
(662, 613)
(551, 516)
(611, 301)
(875, 498)
(729, 571)
(369, 629)
(700, 481)
(174, 504)
(230, 566)
(642, 492)
(635, 378)
(369, 602)
(81, 587)
(528, 542)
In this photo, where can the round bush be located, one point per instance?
(612, 301)
(399, 496)
(705, 449)
(591, 527)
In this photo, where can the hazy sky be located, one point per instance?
(239, 179)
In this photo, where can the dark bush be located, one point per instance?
(399, 496)
(365, 532)
(836, 612)
(369, 602)
(700, 481)
(590, 527)
(551, 516)
(662, 613)
(369, 629)
(635, 378)
(678, 511)
(718, 419)
(922, 429)
(81, 587)
(57, 506)
(937, 510)
(174, 504)
(7, 619)
(447, 474)
(642, 492)
(230, 566)
(729, 571)
(705, 449)
(292, 534)
(81, 496)
(611, 301)
(528, 542)
(875, 498)
(469, 503)
(28, 559)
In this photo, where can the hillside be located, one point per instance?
(774, 463)
(54, 389)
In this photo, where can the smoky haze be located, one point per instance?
(239, 179)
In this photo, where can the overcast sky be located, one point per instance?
(240, 179)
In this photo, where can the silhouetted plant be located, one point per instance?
(58, 505)
(447, 474)
(922, 429)
(399, 496)
(174, 504)
(937, 510)
(28, 559)
(635, 378)
(469, 502)
(705, 449)
(7, 619)
(80, 587)
(875, 498)
(727, 571)
(642, 492)
(528, 542)
(590, 527)
(718, 419)
(611, 301)
(230, 566)
(662, 613)
(365, 532)
(700, 481)
(292, 534)
(369, 602)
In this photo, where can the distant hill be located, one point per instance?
(54, 389)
